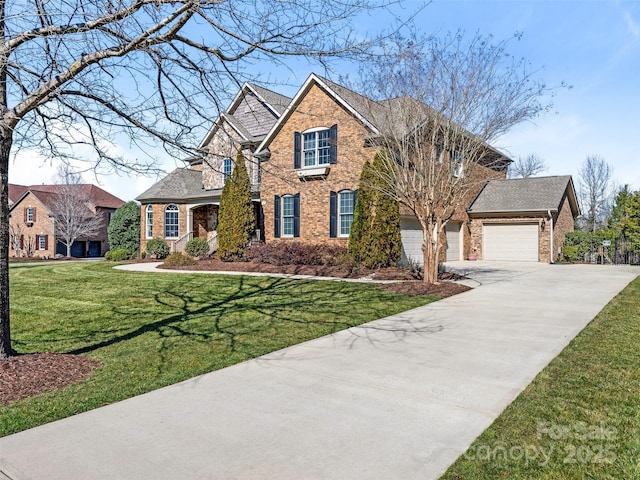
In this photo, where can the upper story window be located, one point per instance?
(227, 169)
(456, 163)
(29, 215)
(171, 218)
(149, 222)
(315, 147)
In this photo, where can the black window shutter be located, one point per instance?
(355, 199)
(46, 242)
(296, 215)
(21, 242)
(297, 140)
(333, 214)
(333, 137)
(276, 216)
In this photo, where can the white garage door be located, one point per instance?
(510, 241)
(411, 234)
(453, 241)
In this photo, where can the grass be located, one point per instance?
(152, 330)
(580, 417)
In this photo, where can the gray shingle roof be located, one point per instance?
(523, 194)
(180, 185)
(277, 101)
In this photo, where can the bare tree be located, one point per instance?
(440, 101)
(596, 191)
(81, 74)
(525, 167)
(73, 213)
(16, 234)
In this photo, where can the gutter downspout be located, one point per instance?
(551, 251)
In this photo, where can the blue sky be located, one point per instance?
(593, 45)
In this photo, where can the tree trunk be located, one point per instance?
(430, 260)
(68, 249)
(5, 331)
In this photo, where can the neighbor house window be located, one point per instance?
(149, 222)
(346, 204)
(28, 217)
(42, 242)
(227, 168)
(315, 147)
(171, 221)
(288, 217)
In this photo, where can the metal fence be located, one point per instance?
(619, 252)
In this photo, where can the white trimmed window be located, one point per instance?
(288, 216)
(171, 219)
(29, 215)
(346, 205)
(149, 222)
(42, 242)
(227, 169)
(316, 147)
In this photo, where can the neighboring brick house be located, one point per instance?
(304, 156)
(32, 220)
(523, 219)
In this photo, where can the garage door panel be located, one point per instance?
(510, 242)
(452, 230)
(411, 235)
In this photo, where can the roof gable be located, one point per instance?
(252, 112)
(181, 184)
(525, 195)
(48, 195)
(358, 105)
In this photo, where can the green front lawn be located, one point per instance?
(156, 329)
(580, 418)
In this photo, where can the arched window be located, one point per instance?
(227, 169)
(149, 222)
(171, 217)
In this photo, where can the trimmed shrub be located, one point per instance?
(143, 254)
(117, 255)
(236, 220)
(179, 259)
(196, 247)
(296, 253)
(375, 233)
(124, 228)
(570, 253)
(158, 248)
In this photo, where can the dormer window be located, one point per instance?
(316, 147)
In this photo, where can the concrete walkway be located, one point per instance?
(401, 397)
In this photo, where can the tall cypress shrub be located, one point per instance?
(124, 228)
(375, 233)
(236, 220)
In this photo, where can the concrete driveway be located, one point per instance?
(401, 397)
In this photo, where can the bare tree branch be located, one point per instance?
(525, 167)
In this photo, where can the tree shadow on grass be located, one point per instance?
(271, 300)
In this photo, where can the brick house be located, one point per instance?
(304, 156)
(32, 220)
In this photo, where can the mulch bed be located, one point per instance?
(23, 376)
(407, 285)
